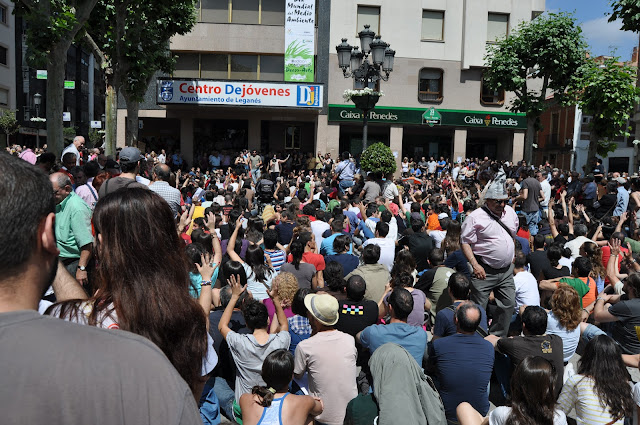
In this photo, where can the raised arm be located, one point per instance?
(236, 290)
(67, 287)
(232, 243)
(277, 303)
(552, 221)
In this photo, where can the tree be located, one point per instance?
(52, 26)
(607, 92)
(9, 123)
(133, 37)
(545, 52)
(378, 158)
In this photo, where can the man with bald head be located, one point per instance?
(161, 186)
(74, 147)
(72, 227)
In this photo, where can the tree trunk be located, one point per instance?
(636, 118)
(133, 107)
(110, 118)
(593, 149)
(56, 67)
(529, 140)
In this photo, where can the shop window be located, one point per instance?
(245, 11)
(3, 14)
(497, 27)
(272, 68)
(4, 97)
(215, 66)
(430, 85)
(244, 67)
(272, 12)
(292, 137)
(214, 11)
(432, 25)
(491, 97)
(4, 55)
(187, 65)
(369, 15)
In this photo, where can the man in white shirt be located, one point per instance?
(439, 235)
(527, 292)
(74, 147)
(162, 158)
(455, 172)
(387, 246)
(546, 190)
(431, 166)
(580, 231)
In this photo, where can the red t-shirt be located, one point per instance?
(606, 255)
(312, 258)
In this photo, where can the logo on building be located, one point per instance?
(432, 117)
(166, 91)
(487, 120)
(308, 96)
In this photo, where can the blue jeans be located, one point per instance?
(209, 405)
(532, 221)
(345, 184)
(590, 332)
(225, 396)
(502, 368)
(255, 175)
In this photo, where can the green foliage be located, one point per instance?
(628, 11)
(608, 93)
(134, 36)
(550, 48)
(378, 158)
(94, 136)
(9, 123)
(69, 133)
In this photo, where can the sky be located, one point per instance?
(603, 38)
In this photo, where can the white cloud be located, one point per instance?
(606, 37)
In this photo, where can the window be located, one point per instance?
(535, 14)
(369, 15)
(244, 67)
(292, 137)
(432, 25)
(215, 66)
(214, 11)
(4, 97)
(3, 14)
(272, 12)
(491, 97)
(272, 68)
(245, 11)
(430, 85)
(4, 55)
(497, 27)
(187, 65)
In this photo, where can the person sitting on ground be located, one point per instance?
(533, 398)
(303, 271)
(356, 312)
(564, 319)
(421, 303)
(387, 246)
(341, 245)
(459, 289)
(286, 285)
(376, 275)
(579, 280)
(434, 282)
(412, 338)
(266, 404)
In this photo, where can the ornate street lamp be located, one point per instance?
(37, 99)
(367, 65)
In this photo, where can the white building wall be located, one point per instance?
(8, 40)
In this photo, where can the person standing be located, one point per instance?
(487, 243)
(161, 186)
(531, 195)
(542, 177)
(256, 162)
(74, 147)
(345, 172)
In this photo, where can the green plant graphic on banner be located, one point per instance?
(299, 41)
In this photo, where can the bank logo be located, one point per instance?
(166, 91)
(487, 120)
(308, 96)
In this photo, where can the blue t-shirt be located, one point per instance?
(349, 262)
(411, 338)
(445, 325)
(464, 364)
(326, 248)
(441, 165)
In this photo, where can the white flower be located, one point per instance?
(636, 142)
(348, 94)
(535, 146)
(38, 119)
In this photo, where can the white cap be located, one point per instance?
(497, 187)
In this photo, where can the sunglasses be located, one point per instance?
(498, 201)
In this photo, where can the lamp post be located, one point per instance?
(37, 99)
(367, 64)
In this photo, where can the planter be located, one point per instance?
(365, 102)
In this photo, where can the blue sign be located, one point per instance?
(166, 91)
(308, 95)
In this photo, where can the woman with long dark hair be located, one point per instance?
(142, 283)
(600, 392)
(272, 403)
(303, 271)
(532, 399)
(259, 273)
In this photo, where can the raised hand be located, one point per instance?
(236, 287)
(207, 268)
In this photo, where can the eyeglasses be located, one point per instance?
(498, 201)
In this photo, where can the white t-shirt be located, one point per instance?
(387, 250)
(455, 172)
(318, 227)
(390, 191)
(500, 414)
(526, 289)
(438, 236)
(258, 289)
(393, 229)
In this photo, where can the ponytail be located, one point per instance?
(265, 394)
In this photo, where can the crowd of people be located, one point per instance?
(290, 289)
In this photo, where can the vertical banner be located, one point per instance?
(299, 40)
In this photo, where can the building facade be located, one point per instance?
(440, 48)
(7, 60)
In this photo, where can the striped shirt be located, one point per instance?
(579, 393)
(278, 258)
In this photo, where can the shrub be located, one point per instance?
(378, 158)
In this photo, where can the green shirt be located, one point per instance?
(635, 245)
(578, 285)
(73, 226)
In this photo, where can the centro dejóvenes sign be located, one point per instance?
(449, 117)
(207, 92)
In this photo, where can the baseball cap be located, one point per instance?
(621, 180)
(130, 154)
(442, 215)
(323, 307)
